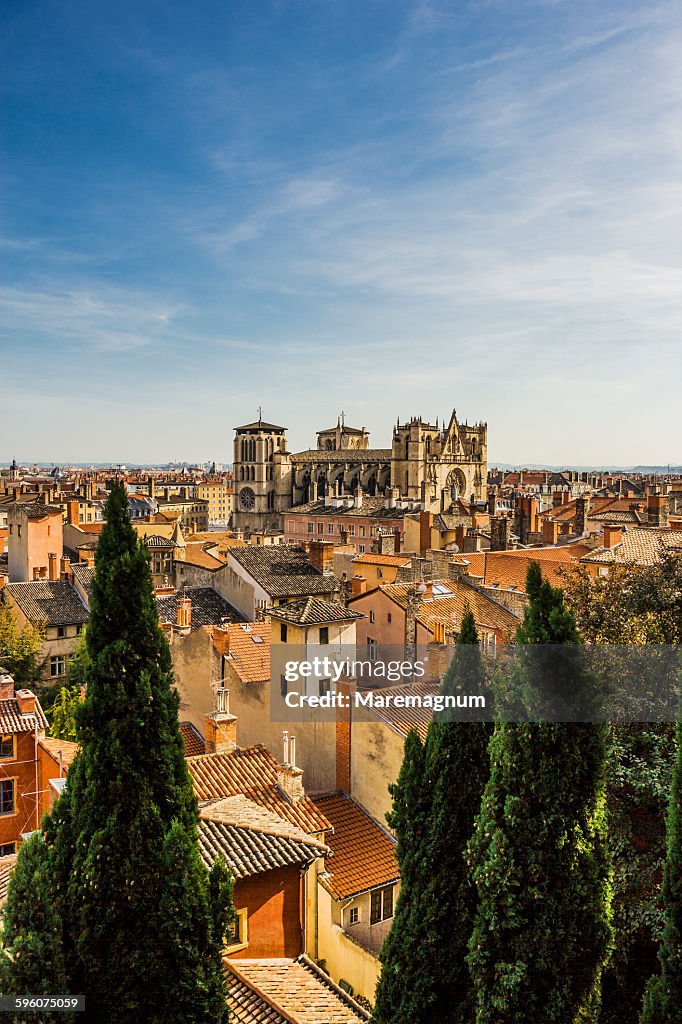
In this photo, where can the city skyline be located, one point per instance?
(390, 209)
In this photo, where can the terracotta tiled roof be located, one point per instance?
(508, 569)
(249, 651)
(193, 740)
(407, 718)
(37, 510)
(372, 508)
(382, 560)
(252, 771)
(6, 866)
(157, 541)
(208, 607)
(283, 571)
(313, 610)
(253, 839)
(641, 546)
(12, 721)
(54, 748)
(298, 989)
(363, 852)
(195, 554)
(52, 602)
(85, 574)
(449, 608)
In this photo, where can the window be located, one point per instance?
(325, 686)
(239, 936)
(362, 531)
(7, 746)
(382, 905)
(330, 528)
(7, 796)
(353, 915)
(371, 617)
(389, 617)
(283, 631)
(351, 529)
(57, 666)
(324, 634)
(371, 649)
(7, 848)
(311, 527)
(320, 527)
(380, 573)
(283, 686)
(361, 548)
(61, 632)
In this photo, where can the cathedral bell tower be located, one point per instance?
(255, 501)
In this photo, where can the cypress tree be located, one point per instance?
(663, 999)
(142, 921)
(538, 855)
(457, 769)
(405, 985)
(32, 960)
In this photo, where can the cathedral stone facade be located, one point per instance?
(426, 462)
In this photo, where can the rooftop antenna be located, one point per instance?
(260, 415)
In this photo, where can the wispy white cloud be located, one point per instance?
(95, 317)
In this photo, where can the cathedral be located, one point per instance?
(428, 463)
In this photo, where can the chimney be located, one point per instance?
(613, 535)
(358, 497)
(389, 498)
(328, 496)
(53, 565)
(550, 531)
(358, 585)
(438, 654)
(26, 700)
(425, 524)
(582, 508)
(72, 513)
(220, 727)
(65, 568)
(499, 533)
(657, 510)
(492, 500)
(184, 616)
(386, 543)
(321, 554)
(6, 685)
(344, 736)
(289, 777)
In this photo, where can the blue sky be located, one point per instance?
(312, 205)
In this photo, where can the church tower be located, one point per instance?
(256, 446)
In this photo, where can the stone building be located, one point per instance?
(434, 465)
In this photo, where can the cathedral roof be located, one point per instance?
(261, 425)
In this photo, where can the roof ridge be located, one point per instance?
(289, 1017)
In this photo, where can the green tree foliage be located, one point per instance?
(663, 1000)
(31, 960)
(142, 920)
(633, 605)
(406, 983)
(457, 767)
(62, 714)
(538, 855)
(20, 648)
(424, 974)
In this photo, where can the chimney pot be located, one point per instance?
(6, 686)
